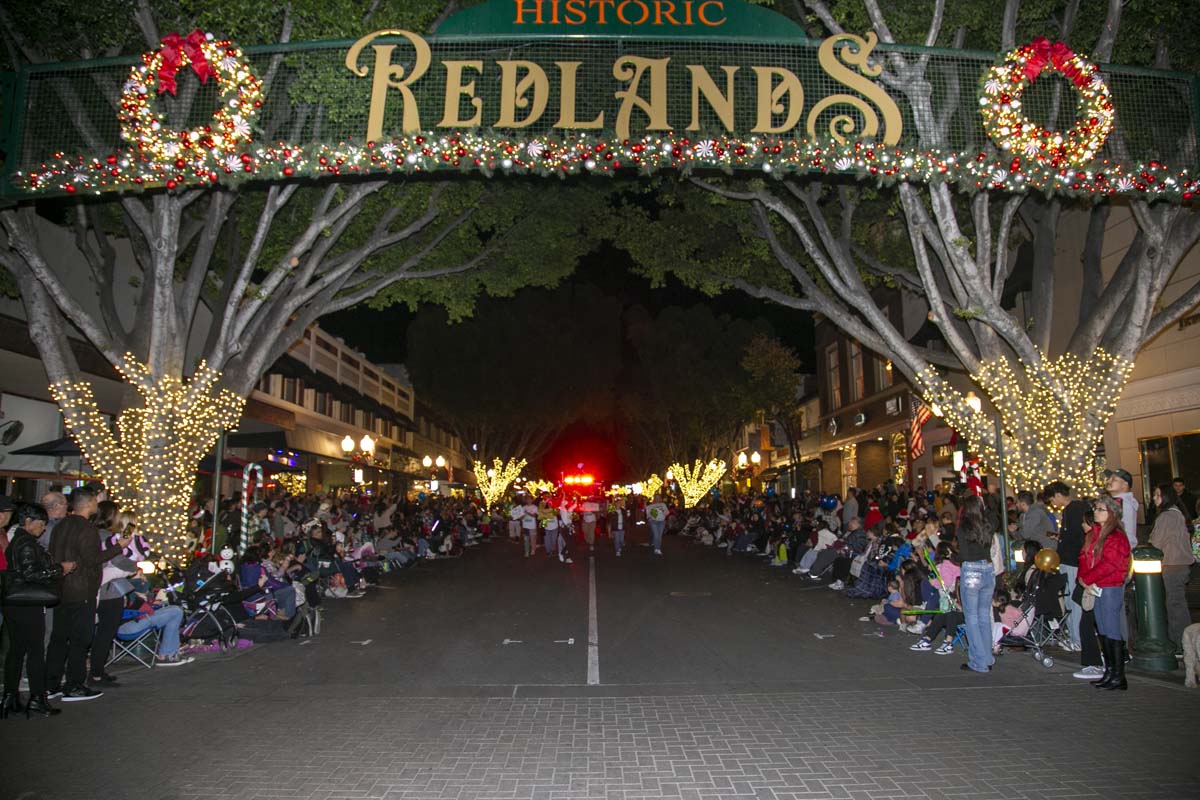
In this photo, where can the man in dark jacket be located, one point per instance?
(76, 540)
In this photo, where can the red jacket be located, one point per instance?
(1112, 567)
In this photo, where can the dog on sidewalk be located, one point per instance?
(1191, 655)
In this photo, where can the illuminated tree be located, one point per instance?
(828, 248)
(231, 277)
(495, 480)
(696, 481)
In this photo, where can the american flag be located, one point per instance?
(916, 440)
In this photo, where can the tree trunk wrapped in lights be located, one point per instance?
(696, 481)
(1052, 415)
(495, 480)
(149, 462)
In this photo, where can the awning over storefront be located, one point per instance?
(299, 440)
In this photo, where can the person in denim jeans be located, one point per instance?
(167, 620)
(976, 584)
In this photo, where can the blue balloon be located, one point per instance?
(930, 495)
(421, 496)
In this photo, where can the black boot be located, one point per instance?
(296, 623)
(12, 702)
(40, 705)
(1118, 679)
(1108, 664)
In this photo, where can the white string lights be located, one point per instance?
(150, 462)
(1052, 414)
(495, 480)
(696, 481)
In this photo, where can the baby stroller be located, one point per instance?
(211, 606)
(1043, 619)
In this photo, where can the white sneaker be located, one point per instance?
(799, 571)
(618, 554)
(658, 552)
(560, 558)
(916, 628)
(568, 561)
(944, 649)
(837, 586)
(1070, 647)
(1089, 673)
(174, 660)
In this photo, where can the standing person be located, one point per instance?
(1103, 566)
(114, 585)
(657, 514)
(1036, 525)
(1186, 498)
(56, 511)
(617, 525)
(589, 524)
(1120, 485)
(1171, 535)
(565, 530)
(976, 584)
(1070, 542)
(77, 541)
(529, 526)
(850, 508)
(515, 512)
(26, 624)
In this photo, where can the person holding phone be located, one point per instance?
(27, 623)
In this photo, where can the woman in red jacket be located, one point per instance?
(1103, 568)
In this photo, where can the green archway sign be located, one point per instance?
(561, 87)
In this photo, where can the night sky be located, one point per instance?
(382, 336)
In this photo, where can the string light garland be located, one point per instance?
(149, 463)
(546, 156)
(1052, 414)
(696, 481)
(494, 481)
(1000, 105)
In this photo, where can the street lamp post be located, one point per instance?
(366, 446)
(429, 462)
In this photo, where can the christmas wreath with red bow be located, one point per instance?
(239, 91)
(1000, 104)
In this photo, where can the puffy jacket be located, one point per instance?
(29, 561)
(1112, 567)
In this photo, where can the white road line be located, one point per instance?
(593, 677)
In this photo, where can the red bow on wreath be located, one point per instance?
(172, 44)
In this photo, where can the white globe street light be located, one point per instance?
(348, 444)
(441, 462)
(367, 444)
(756, 457)
(742, 459)
(427, 462)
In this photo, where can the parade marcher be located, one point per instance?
(657, 514)
(617, 526)
(589, 523)
(565, 530)
(515, 513)
(529, 528)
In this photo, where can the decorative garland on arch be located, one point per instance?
(225, 151)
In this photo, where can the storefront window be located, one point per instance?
(849, 468)
(1156, 465)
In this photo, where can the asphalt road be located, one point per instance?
(710, 677)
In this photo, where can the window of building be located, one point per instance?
(370, 373)
(883, 373)
(327, 346)
(321, 403)
(833, 371)
(857, 390)
(349, 360)
(291, 390)
(1165, 457)
(347, 413)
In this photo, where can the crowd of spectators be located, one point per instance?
(79, 575)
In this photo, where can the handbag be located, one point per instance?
(20, 592)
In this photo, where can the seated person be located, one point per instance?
(256, 571)
(946, 623)
(824, 538)
(1006, 618)
(166, 619)
(893, 605)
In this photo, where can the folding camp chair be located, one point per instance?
(141, 647)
